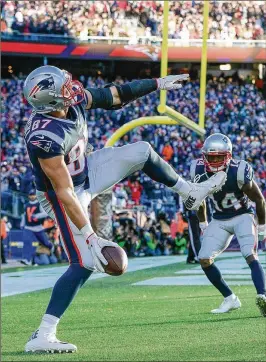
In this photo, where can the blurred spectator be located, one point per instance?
(227, 20)
(120, 196)
(136, 190)
(4, 233)
(167, 152)
(180, 244)
(32, 222)
(44, 256)
(148, 242)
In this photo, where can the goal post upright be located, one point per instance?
(163, 108)
(164, 55)
(203, 71)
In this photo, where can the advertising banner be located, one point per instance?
(216, 54)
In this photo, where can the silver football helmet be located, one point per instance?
(50, 89)
(216, 152)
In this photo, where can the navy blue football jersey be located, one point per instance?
(47, 137)
(32, 214)
(230, 201)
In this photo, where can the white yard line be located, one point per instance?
(186, 280)
(234, 270)
(38, 279)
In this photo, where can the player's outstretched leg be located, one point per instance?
(110, 165)
(214, 275)
(192, 194)
(216, 239)
(44, 338)
(258, 277)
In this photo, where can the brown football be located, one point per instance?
(117, 260)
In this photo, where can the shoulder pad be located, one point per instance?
(244, 174)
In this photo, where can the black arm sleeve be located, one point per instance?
(101, 98)
(129, 92)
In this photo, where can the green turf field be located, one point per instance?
(111, 320)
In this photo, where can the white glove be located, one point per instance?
(95, 244)
(203, 226)
(171, 81)
(261, 232)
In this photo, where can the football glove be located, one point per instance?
(171, 81)
(95, 244)
(261, 232)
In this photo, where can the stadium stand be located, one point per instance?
(228, 20)
(234, 107)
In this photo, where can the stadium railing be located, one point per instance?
(142, 40)
(12, 203)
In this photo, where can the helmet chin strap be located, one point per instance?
(216, 169)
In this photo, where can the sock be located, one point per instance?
(49, 323)
(215, 277)
(230, 297)
(181, 187)
(66, 288)
(159, 170)
(258, 276)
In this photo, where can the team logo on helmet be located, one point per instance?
(47, 83)
(225, 139)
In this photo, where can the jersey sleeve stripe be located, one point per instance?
(241, 174)
(49, 134)
(65, 228)
(59, 224)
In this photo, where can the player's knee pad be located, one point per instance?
(205, 263)
(251, 258)
(142, 150)
(248, 246)
(136, 155)
(205, 254)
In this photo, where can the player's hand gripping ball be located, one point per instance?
(117, 260)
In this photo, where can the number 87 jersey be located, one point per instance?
(48, 137)
(230, 201)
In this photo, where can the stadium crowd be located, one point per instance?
(233, 106)
(228, 20)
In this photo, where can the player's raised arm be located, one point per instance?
(115, 96)
(56, 170)
(253, 192)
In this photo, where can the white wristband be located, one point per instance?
(87, 231)
(203, 225)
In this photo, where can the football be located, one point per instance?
(117, 260)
